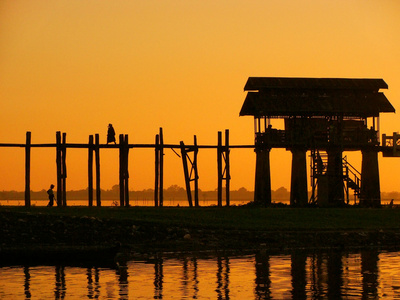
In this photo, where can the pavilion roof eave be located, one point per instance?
(363, 106)
(261, 83)
(285, 116)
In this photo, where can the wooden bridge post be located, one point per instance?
(335, 177)
(370, 194)
(298, 184)
(157, 169)
(59, 168)
(161, 174)
(97, 158)
(186, 173)
(196, 174)
(121, 170)
(223, 171)
(126, 144)
(64, 169)
(262, 188)
(219, 168)
(227, 168)
(90, 170)
(28, 170)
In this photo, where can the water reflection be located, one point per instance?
(189, 278)
(59, 292)
(318, 276)
(334, 272)
(222, 278)
(122, 275)
(263, 282)
(298, 272)
(93, 285)
(369, 270)
(27, 283)
(158, 278)
(366, 275)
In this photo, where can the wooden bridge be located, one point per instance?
(188, 153)
(321, 115)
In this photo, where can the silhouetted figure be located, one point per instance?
(110, 134)
(51, 195)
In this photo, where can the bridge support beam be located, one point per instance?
(330, 185)
(298, 185)
(335, 177)
(262, 189)
(370, 194)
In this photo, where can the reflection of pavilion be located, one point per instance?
(313, 276)
(325, 116)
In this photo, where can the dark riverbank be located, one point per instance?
(83, 233)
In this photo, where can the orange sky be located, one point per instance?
(75, 66)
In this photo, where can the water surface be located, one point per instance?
(368, 274)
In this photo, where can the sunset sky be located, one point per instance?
(76, 65)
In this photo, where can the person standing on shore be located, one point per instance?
(110, 134)
(50, 192)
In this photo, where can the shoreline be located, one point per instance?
(51, 234)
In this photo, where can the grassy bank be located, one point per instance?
(45, 232)
(234, 217)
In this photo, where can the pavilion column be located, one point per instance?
(262, 189)
(335, 177)
(370, 194)
(298, 186)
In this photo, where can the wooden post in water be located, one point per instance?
(97, 158)
(227, 168)
(28, 170)
(298, 181)
(90, 170)
(370, 185)
(157, 169)
(121, 170)
(196, 174)
(262, 186)
(161, 161)
(126, 171)
(219, 167)
(59, 168)
(186, 173)
(64, 169)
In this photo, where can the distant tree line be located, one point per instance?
(174, 192)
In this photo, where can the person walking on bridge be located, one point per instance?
(110, 134)
(50, 192)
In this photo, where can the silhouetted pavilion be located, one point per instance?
(325, 116)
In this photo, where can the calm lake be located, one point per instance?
(319, 275)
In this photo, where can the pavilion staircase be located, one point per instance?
(352, 180)
(351, 176)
